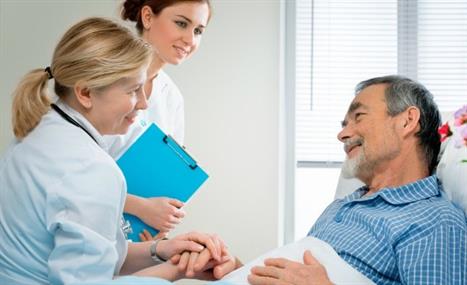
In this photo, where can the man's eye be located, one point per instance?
(358, 115)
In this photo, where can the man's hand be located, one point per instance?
(281, 271)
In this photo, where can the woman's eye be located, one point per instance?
(198, 31)
(135, 91)
(181, 24)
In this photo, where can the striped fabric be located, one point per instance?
(405, 235)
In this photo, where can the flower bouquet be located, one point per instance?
(452, 166)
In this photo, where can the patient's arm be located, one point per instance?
(276, 270)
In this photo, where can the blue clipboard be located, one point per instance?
(155, 165)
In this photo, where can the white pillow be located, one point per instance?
(345, 186)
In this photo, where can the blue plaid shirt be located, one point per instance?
(404, 235)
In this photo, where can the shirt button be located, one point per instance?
(338, 218)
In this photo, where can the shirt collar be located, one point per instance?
(82, 121)
(416, 191)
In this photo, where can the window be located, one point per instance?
(339, 43)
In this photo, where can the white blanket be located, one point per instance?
(337, 269)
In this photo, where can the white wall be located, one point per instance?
(231, 89)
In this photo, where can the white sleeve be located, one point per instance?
(168, 109)
(179, 123)
(83, 213)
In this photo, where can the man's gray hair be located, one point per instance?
(402, 93)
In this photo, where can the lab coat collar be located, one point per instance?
(83, 122)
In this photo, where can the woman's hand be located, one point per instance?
(162, 214)
(191, 242)
(146, 235)
(201, 265)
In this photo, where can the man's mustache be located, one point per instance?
(351, 143)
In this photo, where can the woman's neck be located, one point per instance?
(154, 68)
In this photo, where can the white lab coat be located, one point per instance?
(61, 199)
(165, 108)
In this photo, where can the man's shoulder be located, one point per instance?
(430, 217)
(447, 212)
(422, 200)
(435, 210)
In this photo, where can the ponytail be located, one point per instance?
(31, 101)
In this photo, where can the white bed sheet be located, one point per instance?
(339, 271)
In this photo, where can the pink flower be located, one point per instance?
(460, 120)
(462, 112)
(461, 139)
(459, 130)
(460, 116)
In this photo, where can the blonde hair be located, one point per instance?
(95, 51)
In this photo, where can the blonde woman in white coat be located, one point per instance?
(61, 194)
(174, 28)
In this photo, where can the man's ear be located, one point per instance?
(146, 16)
(410, 121)
(83, 95)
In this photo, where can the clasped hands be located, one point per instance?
(197, 255)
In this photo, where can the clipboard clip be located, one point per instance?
(180, 151)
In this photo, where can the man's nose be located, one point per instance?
(344, 134)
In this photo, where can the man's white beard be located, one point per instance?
(351, 165)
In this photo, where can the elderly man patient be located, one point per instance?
(399, 228)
